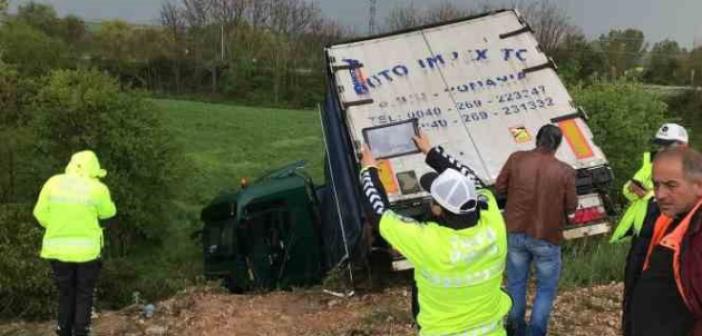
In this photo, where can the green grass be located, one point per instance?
(227, 142)
(594, 260)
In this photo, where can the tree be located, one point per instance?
(174, 24)
(578, 59)
(693, 67)
(665, 64)
(31, 50)
(445, 11)
(624, 50)
(16, 184)
(550, 23)
(117, 48)
(39, 16)
(403, 18)
(73, 31)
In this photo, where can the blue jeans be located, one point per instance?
(547, 261)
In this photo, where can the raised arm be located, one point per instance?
(439, 159)
(376, 200)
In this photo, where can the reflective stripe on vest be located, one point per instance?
(671, 241)
(464, 280)
(484, 244)
(484, 329)
(71, 246)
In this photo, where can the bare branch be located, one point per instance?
(550, 23)
(445, 11)
(403, 18)
(197, 12)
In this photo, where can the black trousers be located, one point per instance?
(635, 261)
(76, 283)
(415, 302)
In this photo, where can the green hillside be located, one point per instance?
(228, 142)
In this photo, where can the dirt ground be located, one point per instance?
(211, 311)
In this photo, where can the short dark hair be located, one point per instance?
(691, 161)
(549, 137)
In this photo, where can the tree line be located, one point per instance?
(245, 50)
(270, 51)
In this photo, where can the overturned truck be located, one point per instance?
(480, 86)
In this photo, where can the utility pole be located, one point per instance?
(371, 18)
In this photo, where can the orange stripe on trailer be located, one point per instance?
(387, 176)
(577, 141)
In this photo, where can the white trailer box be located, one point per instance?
(481, 87)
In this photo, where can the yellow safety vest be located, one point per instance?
(458, 272)
(638, 206)
(69, 207)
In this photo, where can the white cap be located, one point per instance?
(452, 190)
(671, 132)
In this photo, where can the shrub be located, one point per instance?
(26, 284)
(623, 119)
(83, 109)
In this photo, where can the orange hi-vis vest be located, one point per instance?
(673, 241)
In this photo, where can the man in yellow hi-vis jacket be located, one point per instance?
(69, 207)
(458, 254)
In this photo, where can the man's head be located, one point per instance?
(452, 191)
(549, 137)
(677, 180)
(670, 135)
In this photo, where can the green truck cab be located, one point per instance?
(264, 235)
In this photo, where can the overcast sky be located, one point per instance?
(680, 20)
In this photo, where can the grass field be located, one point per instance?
(228, 142)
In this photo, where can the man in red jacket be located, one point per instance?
(667, 298)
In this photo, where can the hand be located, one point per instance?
(422, 142)
(637, 190)
(367, 159)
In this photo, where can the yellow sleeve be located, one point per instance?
(627, 193)
(643, 176)
(41, 208)
(404, 234)
(105, 207)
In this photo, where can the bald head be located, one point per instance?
(677, 180)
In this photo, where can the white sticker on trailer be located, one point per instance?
(468, 88)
